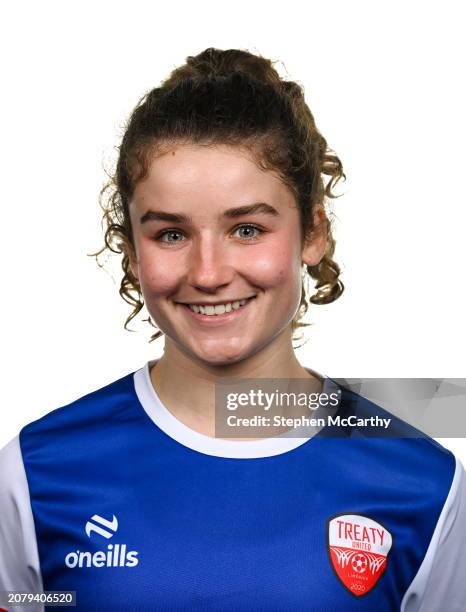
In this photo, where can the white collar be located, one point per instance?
(218, 447)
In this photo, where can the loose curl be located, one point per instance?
(236, 98)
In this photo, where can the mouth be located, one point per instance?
(215, 315)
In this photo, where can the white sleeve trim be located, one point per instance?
(19, 558)
(445, 553)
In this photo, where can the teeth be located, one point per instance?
(219, 309)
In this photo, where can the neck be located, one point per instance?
(186, 384)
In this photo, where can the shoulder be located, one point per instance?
(400, 462)
(395, 444)
(84, 413)
(75, 437)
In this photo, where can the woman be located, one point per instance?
(127, 496)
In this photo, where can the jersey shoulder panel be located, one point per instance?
(441, 577)
(19, 561)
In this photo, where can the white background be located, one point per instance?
(383, 81)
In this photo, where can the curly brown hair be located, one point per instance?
(230, 97)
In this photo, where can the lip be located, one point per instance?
(217, 319)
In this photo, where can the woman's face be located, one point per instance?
(211, 228)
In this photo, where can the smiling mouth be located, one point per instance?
(220, 310)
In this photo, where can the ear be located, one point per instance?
(314, 248)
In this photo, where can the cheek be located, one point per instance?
(275, 267)
(157, 276)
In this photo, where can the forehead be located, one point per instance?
(188, 173)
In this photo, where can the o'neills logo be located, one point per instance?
(358, 547)
(116, 555)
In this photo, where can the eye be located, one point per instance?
(249, 227)
(169, 232)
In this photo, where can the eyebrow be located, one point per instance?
(231, 213)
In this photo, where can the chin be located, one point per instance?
(222, 357)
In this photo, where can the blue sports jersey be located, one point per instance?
(133, 510)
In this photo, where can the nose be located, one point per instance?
(208, 266)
